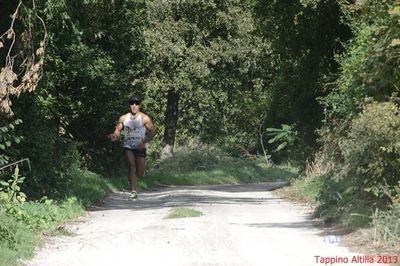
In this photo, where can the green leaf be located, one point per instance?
(395, 11)
(281, 146)
(395, 42)
(3, 183)
(8, 143)
(272, 140)
(277, 137)
(271, 129)
(2, 147)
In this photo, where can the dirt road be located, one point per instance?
(242, 225)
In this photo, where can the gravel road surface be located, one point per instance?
(242, 225)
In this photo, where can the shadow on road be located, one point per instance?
(189, 196)
(256, 187)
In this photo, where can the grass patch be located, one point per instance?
(16, 241)
(369, 225)
(304, 190)
(335, 202)
(207, 166)
(386, 224)
(89, 187)
(23, 224)
(182, 212)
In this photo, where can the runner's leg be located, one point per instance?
(131, 163)
(140, 166)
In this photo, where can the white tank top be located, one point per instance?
(134, 131)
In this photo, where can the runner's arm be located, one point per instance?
(150, 129)
(118, 128)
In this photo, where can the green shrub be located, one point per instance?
(386, 222)
(369, 67)
(23, 223)
(55, 158)
(306, 189)
(15, 239)
(188, 159)
(10, 191)
(342, 200)
(7, 139)
(208, 165)
(88, 187)
(371, 153)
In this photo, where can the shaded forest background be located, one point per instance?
(306, 82)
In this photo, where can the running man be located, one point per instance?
(138, 130)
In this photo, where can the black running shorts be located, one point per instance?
(137, 152)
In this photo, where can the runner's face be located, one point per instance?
(135, 106)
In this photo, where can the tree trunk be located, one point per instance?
(171, 123)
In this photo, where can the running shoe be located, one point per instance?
(133, 195)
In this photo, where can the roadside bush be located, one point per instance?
(200, 165)
(55, 158)
(192, 158)
(15, 239)
(308, 187)
(369, 67)
(343, 200)
(371, 153)
(386, 223)
(306, 190)
(8, 137)
(23, 223)
(89, 187)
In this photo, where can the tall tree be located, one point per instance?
(190, 46)
(92, 59)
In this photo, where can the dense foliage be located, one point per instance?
(360, 135)
(217, 71)
(282, 79)
(359, 158)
